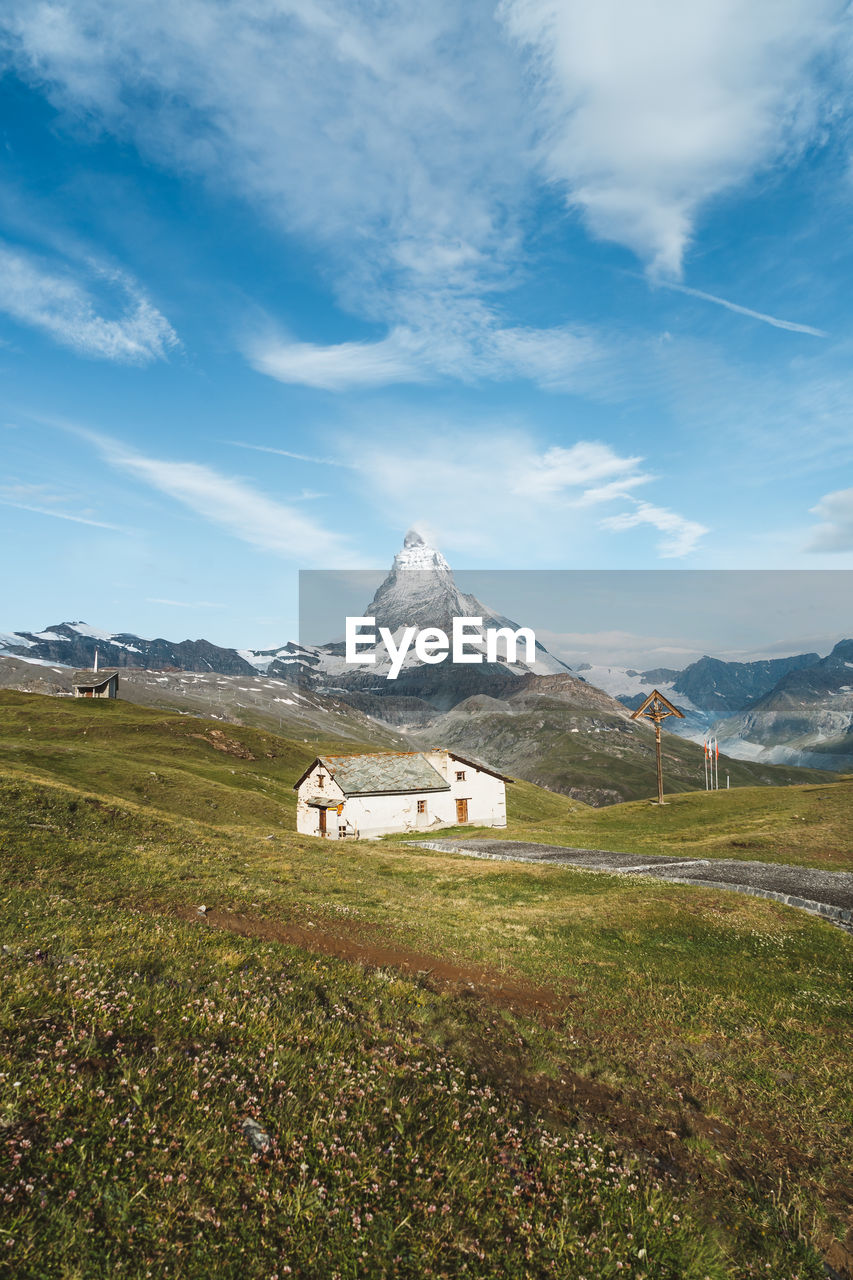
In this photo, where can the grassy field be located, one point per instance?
(592, 755)
(463, 1068)
(808, 825)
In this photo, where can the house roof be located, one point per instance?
(381, 773)
(479, 764)
(396, 773)
(93, 679)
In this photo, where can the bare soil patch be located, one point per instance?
(349, 941)
(220, 742)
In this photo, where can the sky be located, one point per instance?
(640, 618)
(564, 286)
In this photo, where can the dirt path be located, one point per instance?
(349, 941)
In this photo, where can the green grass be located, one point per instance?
(701, 1036)
(596, 757)
(134, 1049)
(807, 825)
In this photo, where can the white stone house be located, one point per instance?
(373, 795)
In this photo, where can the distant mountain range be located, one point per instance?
(526, 717)
(806, 718)
(706, 690)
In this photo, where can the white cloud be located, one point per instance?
(288, 453)
(56, 301)
(581, 468)
(401, 139)
(791, 325)
(680, 535)
(835, 532)
(500, 492)
(462, 340)
(342, 121)
(651, 110)
(619, 649)
(232, 504)
(396, 138)
(341, 366)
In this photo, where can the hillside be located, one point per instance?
(276, 704)
(575, 739)
(433, 1059)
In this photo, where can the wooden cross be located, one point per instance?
(657, 709)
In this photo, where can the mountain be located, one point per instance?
(419, 591)
(807, 718)
(570, 737)
(539, 720)
(73, 644)
(274, 704)
(706, 690)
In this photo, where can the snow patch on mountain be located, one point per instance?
(624, 682)
(92, 633)
(418, 554)
(10, 640)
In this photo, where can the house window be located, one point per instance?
(422, 806)
(460, 775)
(321, 780)
(342, 831)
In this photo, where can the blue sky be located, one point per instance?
(565, 285)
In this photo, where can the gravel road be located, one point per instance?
(824, 893)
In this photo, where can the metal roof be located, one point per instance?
(380, 773)
(92, 679)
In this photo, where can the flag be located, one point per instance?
(717, 745)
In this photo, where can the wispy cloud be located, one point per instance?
(184, 604)
(744, 311)
(499, 493)
(619, 649)
(451, 338)
(397, 140)
(52, 297)
(681, 535)
(835, 531)
(288, 453)
(649, 111)
(593, 471)
(231, 503)
(402, 141)
(61, 515)
(342, 366)
(44, 501)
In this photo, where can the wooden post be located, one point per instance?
(659, 764)
(656, 708)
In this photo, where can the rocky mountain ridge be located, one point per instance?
(797, 709)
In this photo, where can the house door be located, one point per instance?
(322, 813)
(461, 810)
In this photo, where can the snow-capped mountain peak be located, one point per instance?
(418, 554)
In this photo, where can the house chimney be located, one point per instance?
(95, 668)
